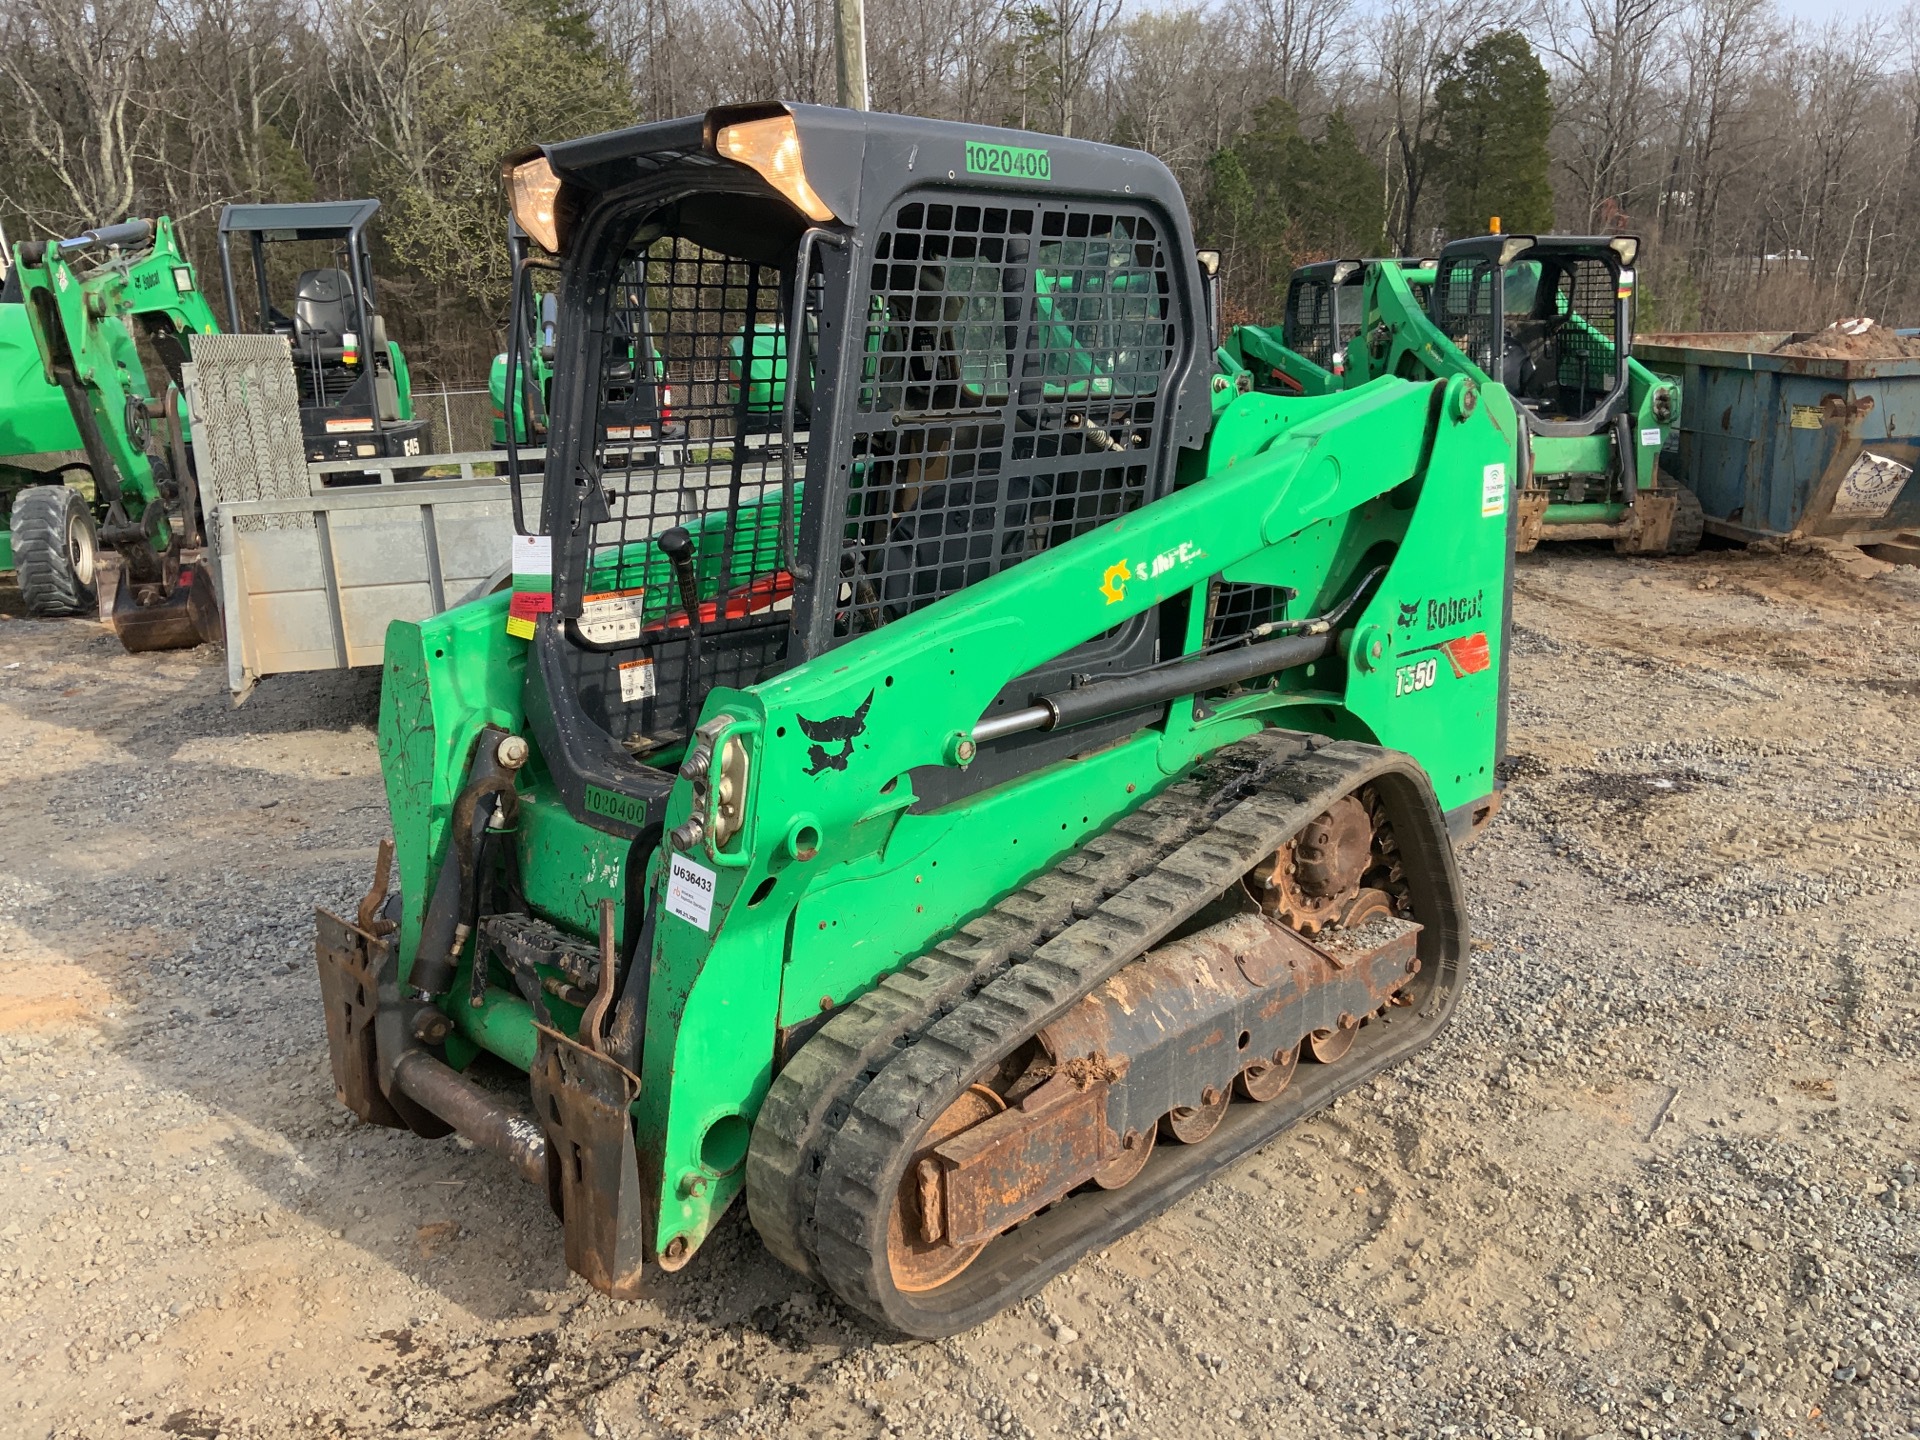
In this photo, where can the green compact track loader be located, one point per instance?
(89, 456)
(1550, 318)
(959, 839)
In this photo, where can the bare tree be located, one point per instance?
(1173, 89)
(789, 49)
(1609, 53)
(1723, 46)
(1412, 42)
(1294, 41)
(78, 70)
(934, 57)
(387, 54)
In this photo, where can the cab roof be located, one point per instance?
(312, 220)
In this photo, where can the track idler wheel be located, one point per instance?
(917, 1262)
(1329, 1046)
(1136, 1148)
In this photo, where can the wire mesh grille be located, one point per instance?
(1322, 318)
(689, 391)
(1576, 367)
(1308, 330)
(1464, 307)
(1010, 394)
(1234, 609)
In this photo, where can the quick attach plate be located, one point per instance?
(350, 962)
(593, 1167)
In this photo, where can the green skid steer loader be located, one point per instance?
(962, 838)
(1549, 317)
(76, 405)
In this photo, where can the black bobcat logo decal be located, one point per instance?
(841, 730)
(1409, 613)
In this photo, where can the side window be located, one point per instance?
(1101, 303)
(1521, 287)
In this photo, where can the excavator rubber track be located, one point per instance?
(930, 1035)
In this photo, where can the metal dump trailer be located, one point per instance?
(1777, 445)
(313, 562)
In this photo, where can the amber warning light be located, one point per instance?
(535, 195)
(771, 147)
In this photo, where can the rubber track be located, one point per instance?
(1689, 523)
(866, 1155)
(48, 586)
(813, 1095)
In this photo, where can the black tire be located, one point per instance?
(54, 549)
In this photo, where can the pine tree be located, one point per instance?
(1490, 151)
(1276, 199)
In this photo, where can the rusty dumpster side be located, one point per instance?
(1779, 445)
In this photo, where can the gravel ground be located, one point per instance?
(1657, 1179)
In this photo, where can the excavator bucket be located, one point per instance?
(146, 617)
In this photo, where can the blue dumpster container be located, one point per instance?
(1778, 445)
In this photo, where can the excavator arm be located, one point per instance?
(87, 351)
(81, 327)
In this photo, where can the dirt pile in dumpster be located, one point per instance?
(1859, 339)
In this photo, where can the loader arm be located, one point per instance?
(162, 291)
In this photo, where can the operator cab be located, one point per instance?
(355, 397)
(1327, 306)
(983, 370)
(1547, 317)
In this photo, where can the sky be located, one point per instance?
(1818, 10)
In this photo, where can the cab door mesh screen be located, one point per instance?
(1464, 307)
(685, 434)
(1011, 394)
(1308, 331)
(1568, 335)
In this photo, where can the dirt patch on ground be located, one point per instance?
(1656, 1179)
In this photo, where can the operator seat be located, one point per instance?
(323, 309)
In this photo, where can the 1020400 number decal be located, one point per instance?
(1010, 160)
(1408, 679)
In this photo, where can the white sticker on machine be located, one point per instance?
(690, 891)
(1493, 490)
(612, 616)
(1650, 437)
(1870, 486)
(636, 681)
